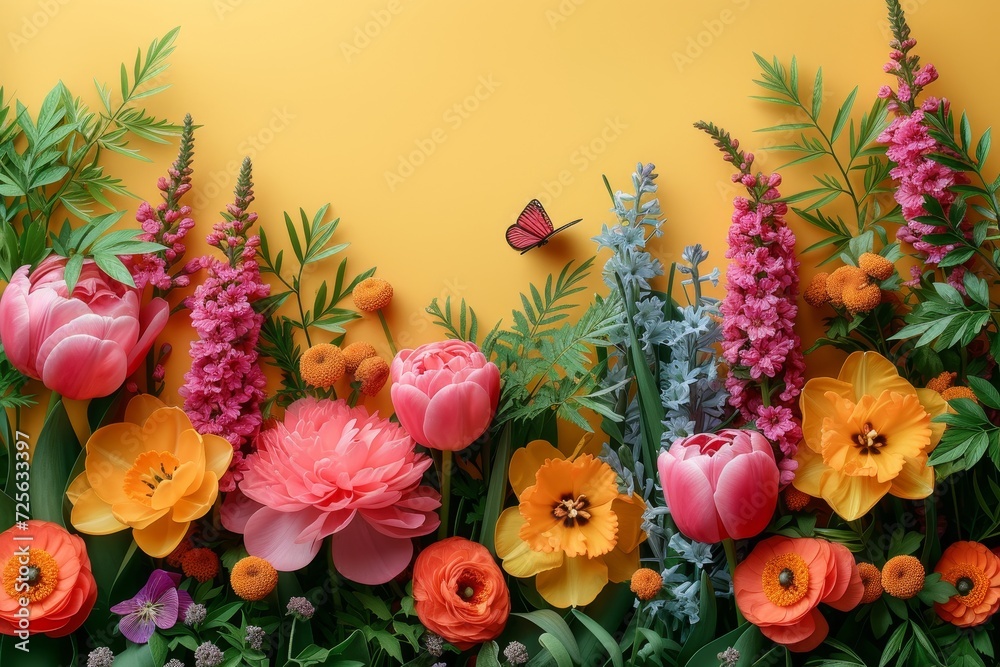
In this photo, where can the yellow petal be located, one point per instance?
(629, 510)
(871, 373)
(77, 487)
(169, 491)
(196, 505)
(818, 401)
(810, 473)
(518, 559)
(140, 407)
(111, 452)
(93, 516)
(915, 481)
(135, 514)
(161, 537)
(526, 461)
(162, 429)
(935, 405)
(218, 454)
(852, 497)
(621, 565)
(576, 583)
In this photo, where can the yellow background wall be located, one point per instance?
(490, 105)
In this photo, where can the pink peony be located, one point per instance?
(445, 394)
(330, 469)
(722, 485)
(81, 345)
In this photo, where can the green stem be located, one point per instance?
(730, 548)
(352, 400)
(930, 518)
(54, 400)
(388, 335)
(958, 524)
(291, 638)
(635, 638)
(445, 490)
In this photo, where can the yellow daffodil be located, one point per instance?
(152, 473)
(571, 528)
(867, 433)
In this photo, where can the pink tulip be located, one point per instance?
(445, 394)
(722, 485)
(82, 345)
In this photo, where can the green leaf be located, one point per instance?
(51, 464)
(704, 630)
(964, 655)
(602, 635)
(489, 655)
(558, 650)
(892, 646)
(843, 114)
(136, 655)
(817, 95)
(985, 391)
(706, 656)
(983, 147)
(375, 605)
(554, 626)
(158, 649)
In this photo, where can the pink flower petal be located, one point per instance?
(456, 416)
(366, 556)
(103, 372)
(274, 536)
(746, 494)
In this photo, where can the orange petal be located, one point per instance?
(91, 515)
(196, 505)
(161, 537)
(518, 558)
(575, 584)
(935, 405)
(111, 452)
(162, 429)
(915, 481)
(629, 510)
(140, 407)
(218, 454)
(852, 497)
(525, 462)
(810, 473)
(871, 373)
(621, 564)
(818, 401)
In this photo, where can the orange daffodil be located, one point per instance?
(866, 434)
(153, 473)
(572, 528)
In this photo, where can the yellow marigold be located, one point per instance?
(253, 578)
(957, 392)
(876, 266)
(871, 577)
(372, 374)
(372, 294)
(903, 577)
(839, 279)
(816, 294)
(795, 500)
(322, 365)
(201, 563)
(859, 294)
(357, 352)
(646, 583)
(942, 381)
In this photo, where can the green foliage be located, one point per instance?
(970, 435)
(12, 384)
(467, 327)
(278, 333)
(546, 361)
(50, 162)
(816, 140)
(943, 318)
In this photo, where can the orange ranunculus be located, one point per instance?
(780, 584)
(459, 592)
(49, 570)
(572, 528)
(153, 473)
(975, 571)
(866, 434)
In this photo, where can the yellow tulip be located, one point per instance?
(866, 434)
(572, 529)
(153, 473)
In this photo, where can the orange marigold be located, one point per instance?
(174, 558)
(876, 266)
(372, 374)
(858, 293)
(816, 294)
(958, 392)
(201, 563)
(372, 294)
(253, 578)
(975, 571)
(871, 577)
(942, 381)
(646, 583)
(903, 577)
(839, 279)
(357, 352)
(795, 500)
(322, 365)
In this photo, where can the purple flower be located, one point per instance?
(158, 604)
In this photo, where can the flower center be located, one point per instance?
(146, 474)
(785, 579)
(572, 512)
(472, 587)
(971, 582)
(869, 441)
(37, 570)
(148, 611)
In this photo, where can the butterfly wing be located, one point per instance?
(532, 228)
